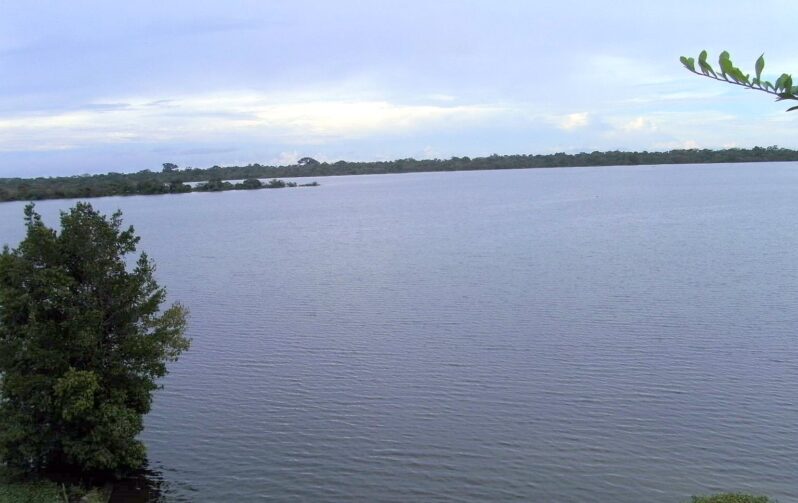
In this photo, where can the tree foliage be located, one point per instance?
(213, 179)
(83, 341)
(783, 88)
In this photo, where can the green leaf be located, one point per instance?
(740, 77)
(726, 66)
(760, 65)
(792, 108)
(780, 84)
(706, 68)
(702, 63)
(783, 88)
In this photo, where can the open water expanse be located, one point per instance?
(618, 335)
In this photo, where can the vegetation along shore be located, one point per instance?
(173, 179)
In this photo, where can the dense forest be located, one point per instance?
(173, 179)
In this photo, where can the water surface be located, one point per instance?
(561, 335)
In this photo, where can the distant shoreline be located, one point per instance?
(172, 179)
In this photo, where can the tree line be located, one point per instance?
(123, 184)
(173, 179)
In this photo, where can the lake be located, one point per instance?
(613, 334)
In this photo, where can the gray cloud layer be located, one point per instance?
(94, 86)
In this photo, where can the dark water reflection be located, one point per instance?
(597, 334)
(145, 486)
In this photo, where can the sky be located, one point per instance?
(93, 87)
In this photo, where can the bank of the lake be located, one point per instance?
(128, 185)
(174, 179)
(17, 488)
(44, 491)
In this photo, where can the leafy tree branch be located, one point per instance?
(783, 88)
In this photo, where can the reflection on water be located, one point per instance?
(149, 486)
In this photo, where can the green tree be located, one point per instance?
(83, 342)
(275, 184)
(783, 88)
(250, 183)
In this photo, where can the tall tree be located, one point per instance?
(83, 342)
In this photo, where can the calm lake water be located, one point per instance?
(563, 335)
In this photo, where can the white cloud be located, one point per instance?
(572, 121)
(429, 153)
(286, 158)
(203, 117)
(678, 96)
(354, 118)
(677, 145)
(638, 124)
(668, 126)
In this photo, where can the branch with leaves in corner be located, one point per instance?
(782, 88)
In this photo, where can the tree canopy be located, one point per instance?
(213, 179)
(83, 342)
(783, 88)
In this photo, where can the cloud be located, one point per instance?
(678, 96)
(638, 124)
(212, 116)
(572, 121)
(429, 152)
(677, 145)
(668, 129)
(354, 118)
(286, 158)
